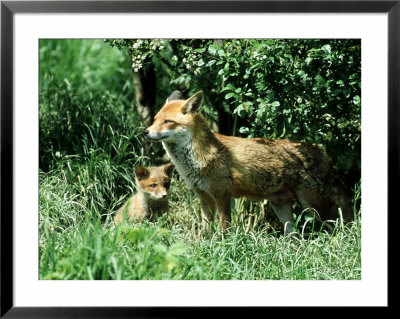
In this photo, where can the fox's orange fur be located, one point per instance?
(150, 201)
(219, 167)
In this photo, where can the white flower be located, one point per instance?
(137, 44)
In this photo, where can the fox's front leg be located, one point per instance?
(207, 210)
(224, 209)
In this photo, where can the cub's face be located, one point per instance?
(154, 182)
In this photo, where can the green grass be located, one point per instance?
(90, 141)
(79, 241)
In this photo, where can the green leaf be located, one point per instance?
(337, 92)
(319, 79)
(210, 63)
(353, 76)
(177, 249)
(160, 248)
(171, 261)
(212, 50)
(275, 103)
(326, 48)
(340, 83)
(357, 100)
(226, 67)
(300, 75)
(137, 234)
(229, 95)
(241, 110)
(229, 87)
(244, 130)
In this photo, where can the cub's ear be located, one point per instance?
(193, 103)
(176, 95)
(168, 169)
(141, 172)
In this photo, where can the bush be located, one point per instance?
(306, 90)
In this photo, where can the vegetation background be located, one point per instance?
(96, 98)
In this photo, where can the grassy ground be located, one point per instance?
(89, 144)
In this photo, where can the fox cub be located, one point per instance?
(219, 167)
(151, 199)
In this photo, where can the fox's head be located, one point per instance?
(177, 119)
(154, 181)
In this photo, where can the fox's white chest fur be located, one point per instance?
(184, 158)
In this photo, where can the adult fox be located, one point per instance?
(218, 167)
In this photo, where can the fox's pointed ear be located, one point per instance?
(168, 168)
(176, 95)
(141, 171)
(193, 103)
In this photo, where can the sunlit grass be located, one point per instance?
(77, 243)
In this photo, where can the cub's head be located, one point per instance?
(177, 119)
(154, 182)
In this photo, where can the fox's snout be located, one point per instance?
(151, 136)
(157, 195)
(156, 135)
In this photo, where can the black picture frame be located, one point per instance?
(9, 8)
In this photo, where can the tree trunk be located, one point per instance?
(144, 82)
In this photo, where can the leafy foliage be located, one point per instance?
(308, 90)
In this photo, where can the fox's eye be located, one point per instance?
(167, 121)
(153, 185)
